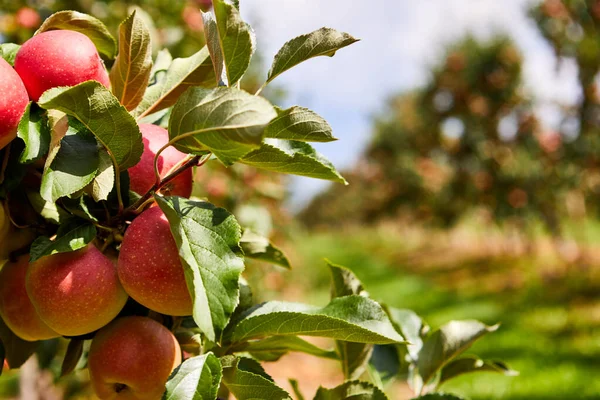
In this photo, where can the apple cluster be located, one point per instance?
(84, 291)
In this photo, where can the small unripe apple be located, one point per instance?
(132, 358)
(13, 100)
(15, 306)
(149, 265)
(77, 292)
(142, 177)
(58, 58)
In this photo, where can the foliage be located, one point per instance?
(79, 179)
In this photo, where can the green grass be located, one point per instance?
(550, 328)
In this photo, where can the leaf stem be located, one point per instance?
(260, 89)
(191, 162)
(118, 187)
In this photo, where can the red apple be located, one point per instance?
(13, 100)
(141, 176)
(58, 58)
(149, 266)
(28, 18)
(15, 306)
(132, 358)
(75, 293)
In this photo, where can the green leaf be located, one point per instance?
(103, 115)
(354, 356)
(350, 318)
(273, 348)
(298, 123)
(16, 350)
(296, 388)
(72, 356)
(198, 378)
(73, 166)
(449, 341)
(211, 34)
(322, 42)
(181, 74)
(104, 182)
(353, 390)
(344, 282)
(208, 241)
(258, 247)
(34, 130)
(411, 326)
(86, 24)
(48, 210)
(234, 41)
(438, 396)
(249, 384)
(130, 74)
(72, 235)
(227, 121)
(292, 157)
(8, 51)
(473, 364)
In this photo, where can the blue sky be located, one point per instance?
(400, 39)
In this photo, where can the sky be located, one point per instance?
(400, 41)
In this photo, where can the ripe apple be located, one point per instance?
(149, 266)
(132, 358)
(15, 306)
(77, 292)
(58, 58)
(28, 18)
(13, 100)
(141, 176)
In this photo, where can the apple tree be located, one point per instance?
(105, 248)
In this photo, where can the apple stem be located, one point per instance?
(142, 201)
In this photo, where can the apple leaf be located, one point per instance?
(73, 166)
(298, 123)
(34, 130)
(353, 356)
(439, 396)
(246, 380)
(411, 326)
(181, 74)
(322, 42)
(473, 364)
(446, 343)
(292, 157)
(227, 121)
(86, 24)
(351, 390)
(104, 182)
(208, 241)
(8, 51)
(72, 356)
(273, 348)
(350, 318)
(259, 248)
(232, 45)
(72, 235)
(102, 114)
(197, 378)
(211, 33)
(130, 74)
(16, 350)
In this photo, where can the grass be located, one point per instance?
(549, 311)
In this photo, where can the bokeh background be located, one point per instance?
(470, 135)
